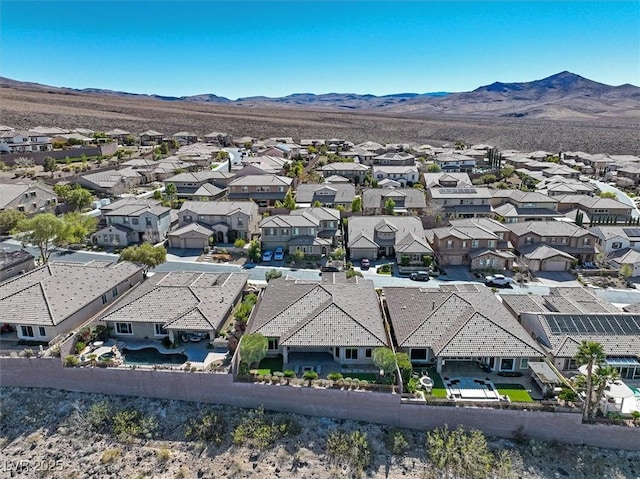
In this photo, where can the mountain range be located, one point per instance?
(565, 96)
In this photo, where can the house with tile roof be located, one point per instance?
(560, 239)
(314, 231)
(598, 209)
(13, 263)
(407, 201)
(373, 237)
(176, 303)
(615, 238)
(458, 323)
(355, 172)
(151, 137)
(338, 319)
(446, 180)
(515, 206)
(228, 220)
(462, 202)
(30, 198)
(392, 159)
(330, 195)
(559, 186)
(405, 175)
(561, 320)
(481, 243)
(189, 182)
(56, 298)
(133, 221)
(265, 189)
(455, 163)
(112, 182)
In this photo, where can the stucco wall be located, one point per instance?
(382, 408)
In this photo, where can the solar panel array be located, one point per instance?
(631, 232)
(458, 191)
(609, 324)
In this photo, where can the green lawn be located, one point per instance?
(272, 364)
(438, 390)
(516, 392)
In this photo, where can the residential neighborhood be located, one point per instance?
(479, 272)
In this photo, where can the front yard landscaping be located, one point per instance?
(270, 365)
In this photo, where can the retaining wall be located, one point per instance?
(382, 408)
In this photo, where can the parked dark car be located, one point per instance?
(329, 269)
(419, 276)
(364, 263)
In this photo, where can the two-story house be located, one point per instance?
(118, 134)
(615, 238)
(29, 198)
(595, 209)
(314, 231)
(387, 236)
(405, 175)
(392, 159)
(465, 202)
(151, 137)
(552, 245)
(455, 163)
(265, 190)
(406, 201)
(15, 141)
(330, 195)
(185, 137)
(481, 243)
(355, 172)
(514, 206)
(559, 186)
(219, 139)
(446, 180)
(205, 185)
(228, 220)
(133, 221)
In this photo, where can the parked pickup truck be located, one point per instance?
(497, 280)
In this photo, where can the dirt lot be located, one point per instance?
(53, 429)
(24, 109)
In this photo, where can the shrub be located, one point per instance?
(80, 346)
(210, 427)
(351, 450)
(289, 373)
(110, 455)
(459, 453)
(239, 243)
(396, 442)
(568, 395)
(334, 376)
(71, 361)
(99, 416)
(163, 454)
(310, 375)
(131, 423)
(259, 431)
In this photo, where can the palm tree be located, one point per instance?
(592, 354)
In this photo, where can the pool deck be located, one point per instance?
(471, 389)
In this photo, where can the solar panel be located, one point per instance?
(631, 231)
(604, 324)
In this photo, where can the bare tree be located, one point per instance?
(23, 162)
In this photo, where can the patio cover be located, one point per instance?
(545, 373)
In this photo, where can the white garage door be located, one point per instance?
(555, 266)
(455, 260)
(194, 243)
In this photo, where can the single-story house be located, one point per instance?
(13, 263)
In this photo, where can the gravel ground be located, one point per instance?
(46, 434)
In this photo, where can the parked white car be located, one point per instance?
(497, 280)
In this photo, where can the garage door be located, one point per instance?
(555, 266)
(455, 260)
(194, 243)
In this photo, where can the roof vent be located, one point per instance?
(433, 305)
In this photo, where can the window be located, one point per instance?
(351, 353)
(240, 222)
(474, 243)
(507, 364)
(27, 331)
(367, 353)
(273, 343)
(419, 354)
(616, 245)
(491, 243)
(114, 292)
(124, 328)
(186, 219)
(528, 240)
(245, 189)
(21, 208)
(337, 353)
(564, 240)
(449, 244)
(586, 240)
(158, 329)
(125, 220)
(33, 194)
(524, 363)
(134, 221)
(104, 299)
(148, 221)
(42, 331)
(464, 244)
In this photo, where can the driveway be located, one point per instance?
(556, 278)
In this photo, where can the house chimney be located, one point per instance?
(433, 305)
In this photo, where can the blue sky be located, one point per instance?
(238, 49)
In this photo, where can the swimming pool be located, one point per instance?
(150, 356)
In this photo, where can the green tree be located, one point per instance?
(147, 254)
(405, 366)
(157, 195)
(40, 230)
(254, 252)
(317, 204)
(289, 201)
(253, 348)
(389, 206)
(75, 228)
(433, 168)
(591, 354)
(163, 149)
(338, 254)
(298, 255)
(458, 454)
(222, 156)
(608, 194)
(9, 219)
(171, 191)
(50, 165)
(356, 205)
(239, 243)
(385, 360)
(272, 274)
(129, 140)
(626, 271)
(74, 196)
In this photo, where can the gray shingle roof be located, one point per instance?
(369, 226)
(409, 197)
(57, 290)
(321, 314)
(261, 180)
(220, 208)
(454, 324)
(9, 192)
(325, 193)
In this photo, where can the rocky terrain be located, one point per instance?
(55, 434)
(26, 105)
